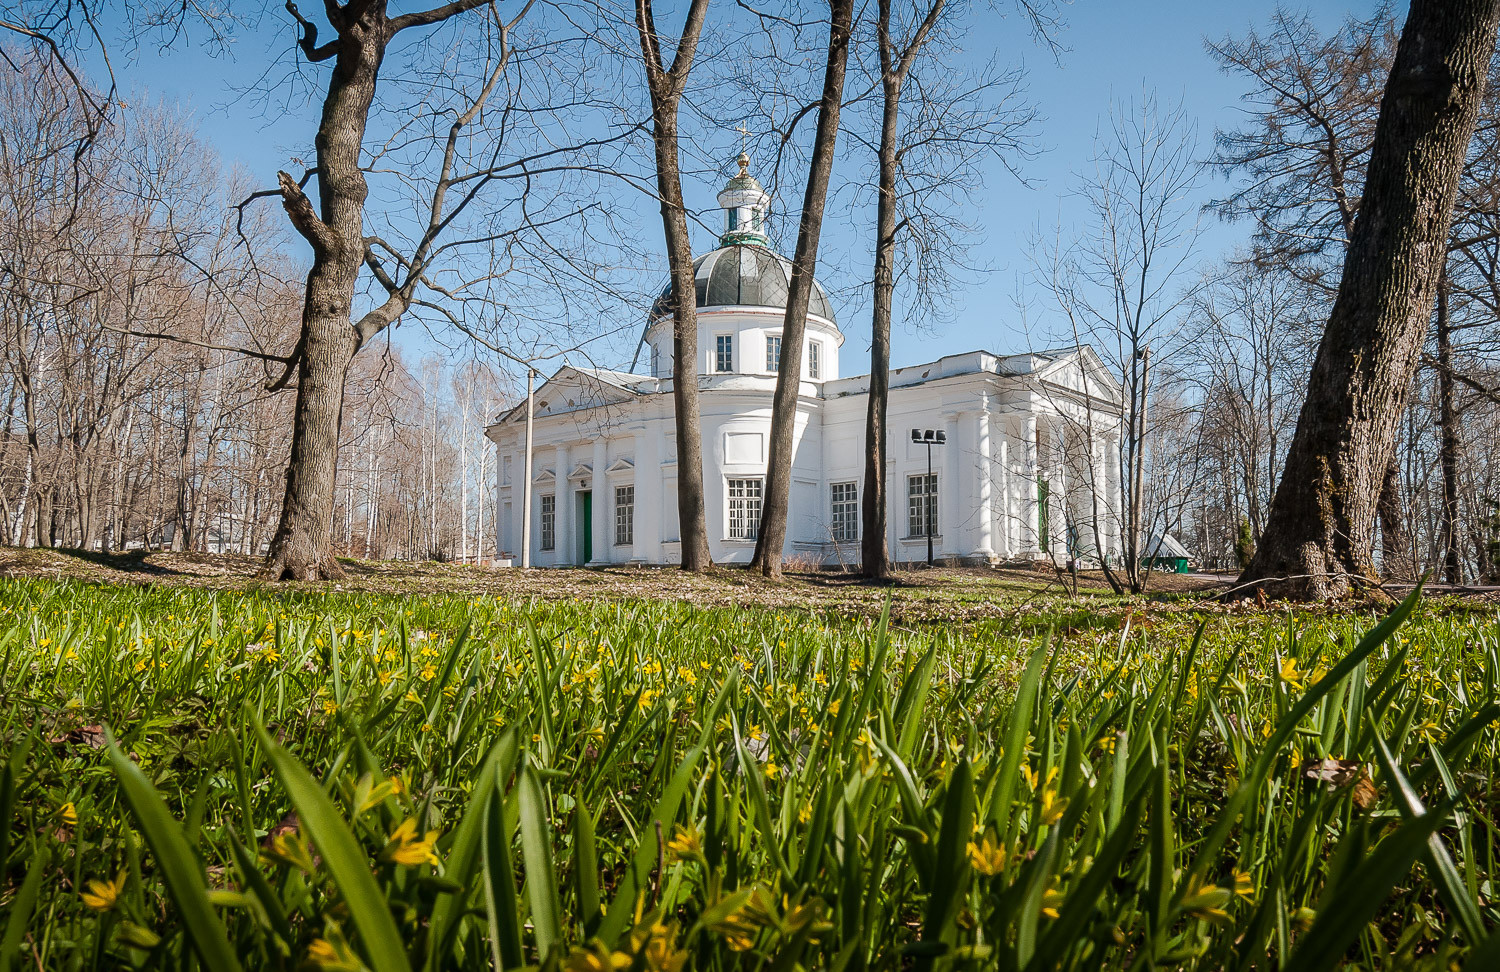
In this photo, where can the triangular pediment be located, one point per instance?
(1082, 371)
(582, 470)
(621, 465)
(573, 389)
(544, 476)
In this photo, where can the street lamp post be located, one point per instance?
(929, 438)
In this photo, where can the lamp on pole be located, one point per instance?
(929, 438)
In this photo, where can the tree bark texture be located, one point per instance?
(1450, 449)
(875, 556)
(1318, 540)
(1395, 548)
(772, 539)
(666, 86)
(301, 546)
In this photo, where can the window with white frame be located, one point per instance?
(845, 511)
(814, 360)
(724, 352)
(744, 508)
(773, 352)
(549, 521)
(624, 515)
(921, 505)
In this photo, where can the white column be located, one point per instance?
(983, 468)
(562, 504)
(647, 546)
(1026, 488)
(1113, 496)
(953, 510)
(1004, 503)
(517, 491)
(604, 502)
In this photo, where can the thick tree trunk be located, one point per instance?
(301, 546)
(1450, 449)
(772, 539)
(1318, 541)
(666, 86)
(875, 557)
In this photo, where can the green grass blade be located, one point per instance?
(21, 907)
(179, 865)
(541, 876)
(1356, 904)
(348, 862)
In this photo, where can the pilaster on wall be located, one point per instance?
(955, 508)
(603, 502)
(562, 504)
(1026, 489)
(980, 462)
(647, 545)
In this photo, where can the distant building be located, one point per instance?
(1013, 481)
(1164, 552)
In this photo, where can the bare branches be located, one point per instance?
(308, 40)
(299, 210)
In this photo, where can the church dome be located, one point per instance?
(744, 275)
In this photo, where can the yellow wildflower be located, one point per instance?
(986, 858)
(685, 844)
(68, 814)
(407, 849)
(102, 895)
(1053, 807)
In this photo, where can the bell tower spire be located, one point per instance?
(744, 203)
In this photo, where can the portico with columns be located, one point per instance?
(1029, 469)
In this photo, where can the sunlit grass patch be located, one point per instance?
(335, 780)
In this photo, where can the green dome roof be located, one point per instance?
(744, 275)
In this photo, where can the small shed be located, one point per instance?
(1165, 553)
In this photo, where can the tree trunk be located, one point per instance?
(772, 539)
(666, 86)
(1317, 541)
(300, 548)
(1394, 558)
(1449, 447)
(875, 557)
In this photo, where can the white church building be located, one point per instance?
(1028, 470)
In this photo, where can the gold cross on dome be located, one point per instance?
(744, 131)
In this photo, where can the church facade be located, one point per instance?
(1028, 467)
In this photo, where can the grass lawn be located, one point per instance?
(630, 769)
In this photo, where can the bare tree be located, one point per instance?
(1122, 284)
(1318, 534)
(666, 85)
(768, 546)
(933, 130)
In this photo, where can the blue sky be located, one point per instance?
(1114, 49)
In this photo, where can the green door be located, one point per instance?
(1043, 516)
(585, 526)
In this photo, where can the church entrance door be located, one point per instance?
(585, 526)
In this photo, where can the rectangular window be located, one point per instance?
(814, 360)
(921, 505)
(549, 522)
(773, 353)
(845, 511)
(724, 352)
(624, 515)
(744, 509)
